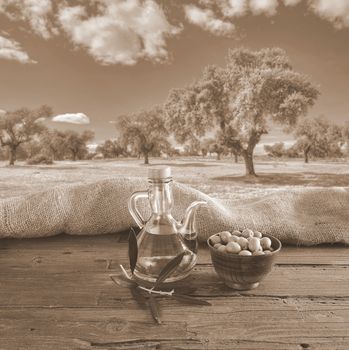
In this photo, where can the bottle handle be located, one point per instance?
(132, 207)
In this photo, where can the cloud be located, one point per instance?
(335, 11)
(123, 31)
(267, 7)
(12, 50)
(73, 118)
(206, 19)
(233, 8)
(291, 2)
(35, 12)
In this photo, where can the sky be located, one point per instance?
(93, 61)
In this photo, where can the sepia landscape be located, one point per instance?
(213, 123)
(220, 179)
(246, 101)
(265, 106)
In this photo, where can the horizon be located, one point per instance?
(47, 57)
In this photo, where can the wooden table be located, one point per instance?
(56, 293)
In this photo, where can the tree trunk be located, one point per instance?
(12, 156)
(218, 156)
(306, 154)
(146, 158)
(236, 158)
(248, 153)
(248, 158)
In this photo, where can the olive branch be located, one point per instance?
(144, 295)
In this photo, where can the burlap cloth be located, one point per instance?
(303, 216)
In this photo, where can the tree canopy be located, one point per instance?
(76, 143)
(20, 126)
(319, 137)
(111, 149)
(144, 132)
(277, 150)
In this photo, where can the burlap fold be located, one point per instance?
(301, 216)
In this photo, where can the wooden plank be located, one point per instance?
(253, 323)
(283, 281)
(63, 253)
(99, 252)
(40, 288)
(56, 293)
(109, 258)
(62, 242)
(68, 259)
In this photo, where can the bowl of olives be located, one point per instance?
(243, 258)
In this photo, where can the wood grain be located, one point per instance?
(56, 293)
(250, 321)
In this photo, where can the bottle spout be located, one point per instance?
(187, 225)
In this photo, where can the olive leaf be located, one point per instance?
(168, 269)
(154, 308)
(132, 249)
(190, 300)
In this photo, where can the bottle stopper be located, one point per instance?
(159, 172)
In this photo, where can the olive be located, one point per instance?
(265, 243)
(245, 252)
(225, 235)
(215, 239)
(247, 233)
(233, 238)
(243, 242)
(222, 248)
(254, 244)
(233, 247)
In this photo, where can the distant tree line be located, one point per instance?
(226, 111)
(23, 135)
(314, 137)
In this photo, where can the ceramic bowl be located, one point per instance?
(243, 272)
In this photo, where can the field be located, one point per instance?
(223, 179)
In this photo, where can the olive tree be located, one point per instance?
(318, 136)
(255, 90)
(76, 143)
(111, 149)
(277, 150)
(21, 126)
(144, 132)
(55, 143)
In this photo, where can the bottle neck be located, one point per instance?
(160, 196)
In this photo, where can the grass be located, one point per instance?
(223, 179)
